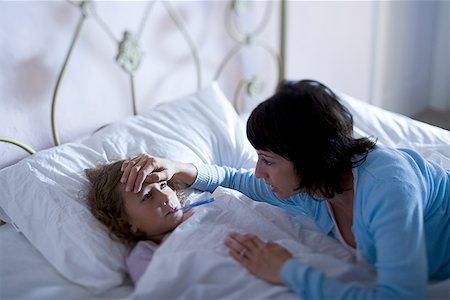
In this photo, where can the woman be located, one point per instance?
(389, 206)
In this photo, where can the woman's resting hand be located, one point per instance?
(262, 259)
(146, 168)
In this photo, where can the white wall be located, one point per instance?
(440, 77)
(331, 42)
(394, 54)
(403, 56)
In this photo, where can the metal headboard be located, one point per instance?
(129, 53)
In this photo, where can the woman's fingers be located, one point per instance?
(264, 260)
(157, 176)
(234, 246)
(241, 245)
(126, 167)
(144, 168)
(126, 162)
(149, 165)
(135, 170)
(242, 259)
(247, 240)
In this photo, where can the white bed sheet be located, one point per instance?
(26, 274)
(193, 263)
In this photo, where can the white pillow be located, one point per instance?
(398, 131)
(44, 194)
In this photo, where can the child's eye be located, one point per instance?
(147, 196)
(163, 185)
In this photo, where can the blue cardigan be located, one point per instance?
(401, 224)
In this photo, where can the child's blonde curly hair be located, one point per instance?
(107, 203)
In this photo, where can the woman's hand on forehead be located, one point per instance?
(144, 168)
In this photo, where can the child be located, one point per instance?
(141, 220)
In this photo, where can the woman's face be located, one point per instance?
(278, 172)
(152, 210)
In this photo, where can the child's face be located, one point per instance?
(152, 209)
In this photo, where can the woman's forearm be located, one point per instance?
(185, 172)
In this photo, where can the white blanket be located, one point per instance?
(193, 262)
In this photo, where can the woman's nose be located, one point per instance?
(259, 171)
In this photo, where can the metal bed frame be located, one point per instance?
(129, 55)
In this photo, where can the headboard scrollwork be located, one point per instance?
(254, 84)
(130, 54)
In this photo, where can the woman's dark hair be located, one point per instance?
(305, 123)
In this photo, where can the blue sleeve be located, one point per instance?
(310, 283)
(393, 217)
(209, 177)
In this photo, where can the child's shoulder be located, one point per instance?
(142, 247)
(139, 257)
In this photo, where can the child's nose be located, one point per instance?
(163, 196)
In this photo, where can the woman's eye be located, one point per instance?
(163, 185)
(266, 162)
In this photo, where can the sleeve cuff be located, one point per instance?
(292, 274)
(204, 179)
